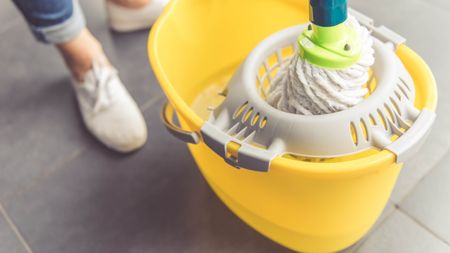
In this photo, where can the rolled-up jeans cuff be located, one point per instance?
(64, 32)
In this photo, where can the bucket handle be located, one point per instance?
(167, 112)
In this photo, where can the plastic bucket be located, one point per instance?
(304, 205)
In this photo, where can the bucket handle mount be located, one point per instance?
(167, 112)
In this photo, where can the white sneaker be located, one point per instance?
(122, 19)
(108, 110)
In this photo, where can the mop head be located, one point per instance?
(304, 88)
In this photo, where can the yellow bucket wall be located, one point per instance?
(306, 206)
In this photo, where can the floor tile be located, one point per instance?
(153, 200)
(401, 234)
(9, 16)
(40, 125)
(443, 4)
(8, 240)
(39, 128)
(421, 32)
(429, 202)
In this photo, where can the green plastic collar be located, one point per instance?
(334, 47)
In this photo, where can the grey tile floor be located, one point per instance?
(60, 191)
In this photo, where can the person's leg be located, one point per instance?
(132, 4)
(80, 52)
(52, 21)
(61, 22)
(108, 111)
(132, 15)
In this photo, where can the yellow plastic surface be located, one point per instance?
(308, 206)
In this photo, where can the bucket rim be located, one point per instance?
(416, 66)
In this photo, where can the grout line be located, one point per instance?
(423, 177)
(15, 229)
(151, 102)
(420, 224)
(45, 174)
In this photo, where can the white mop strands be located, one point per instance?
(303, 88)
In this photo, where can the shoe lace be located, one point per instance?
(103, 94)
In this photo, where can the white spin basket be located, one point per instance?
(387, 119)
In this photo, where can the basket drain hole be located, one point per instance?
(240, 110)
(354, 133)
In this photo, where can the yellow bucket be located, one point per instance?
(310, 206)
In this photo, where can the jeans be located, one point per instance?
(53, 21)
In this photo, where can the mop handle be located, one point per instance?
(328, 42)
(327, 13)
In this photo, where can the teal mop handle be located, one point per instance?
(328, 42)
(327, 13)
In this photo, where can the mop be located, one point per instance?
(330, 70)
(309, 95)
